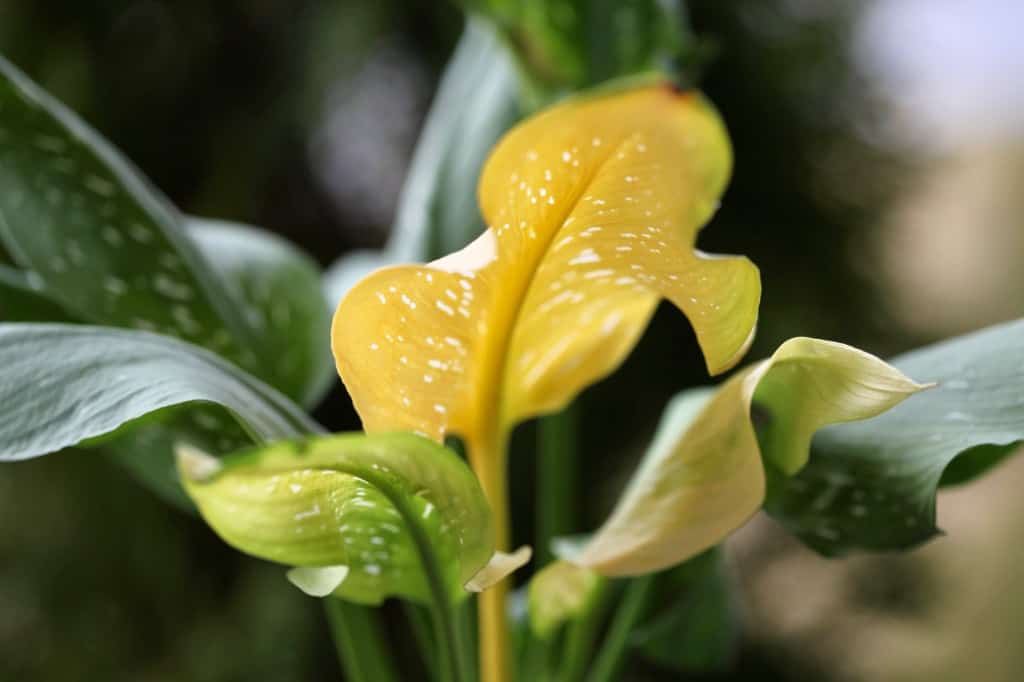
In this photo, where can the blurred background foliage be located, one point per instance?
(878, 156)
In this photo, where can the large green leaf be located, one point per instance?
(280, 289)
(104, 243)
(64, 384)
(108, 248)
(872, 485)
(363, 517)
(437, 212)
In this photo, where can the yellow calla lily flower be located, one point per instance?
(593, 210)
(593, 207)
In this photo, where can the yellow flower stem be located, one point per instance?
(488, 457)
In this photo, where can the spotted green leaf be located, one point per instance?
(872, 485)
(280, 289)
(61, 385)
(703, 475)
(104, 243)
(363, 517)
(437, 212)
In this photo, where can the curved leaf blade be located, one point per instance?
(64, 384)
(873, 485)
(703, 475)
(371, 504)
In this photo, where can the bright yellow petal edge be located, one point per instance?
(703, 476)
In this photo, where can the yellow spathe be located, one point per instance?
(593, 210)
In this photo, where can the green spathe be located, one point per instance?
(403, 515)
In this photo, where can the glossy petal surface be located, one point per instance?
(593, 208)
(703, 476)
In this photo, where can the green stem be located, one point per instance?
(449, 653)
(615, 648)
(583, 633)
(422, 632)
(359, 640)
(557, 476)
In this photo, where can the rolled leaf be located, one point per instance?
(593, 207)
(368, 517)
(64, 384)
(873, 485)
(703, 476)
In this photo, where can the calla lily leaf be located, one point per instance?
(593, 208)
(277, 287)
(363, 517)
(873, 485)
(105, 247)
(66, 384)
(558, 593)
(703, 476)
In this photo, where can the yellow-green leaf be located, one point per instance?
(593, 210)
(703, 476)
(364, 517)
